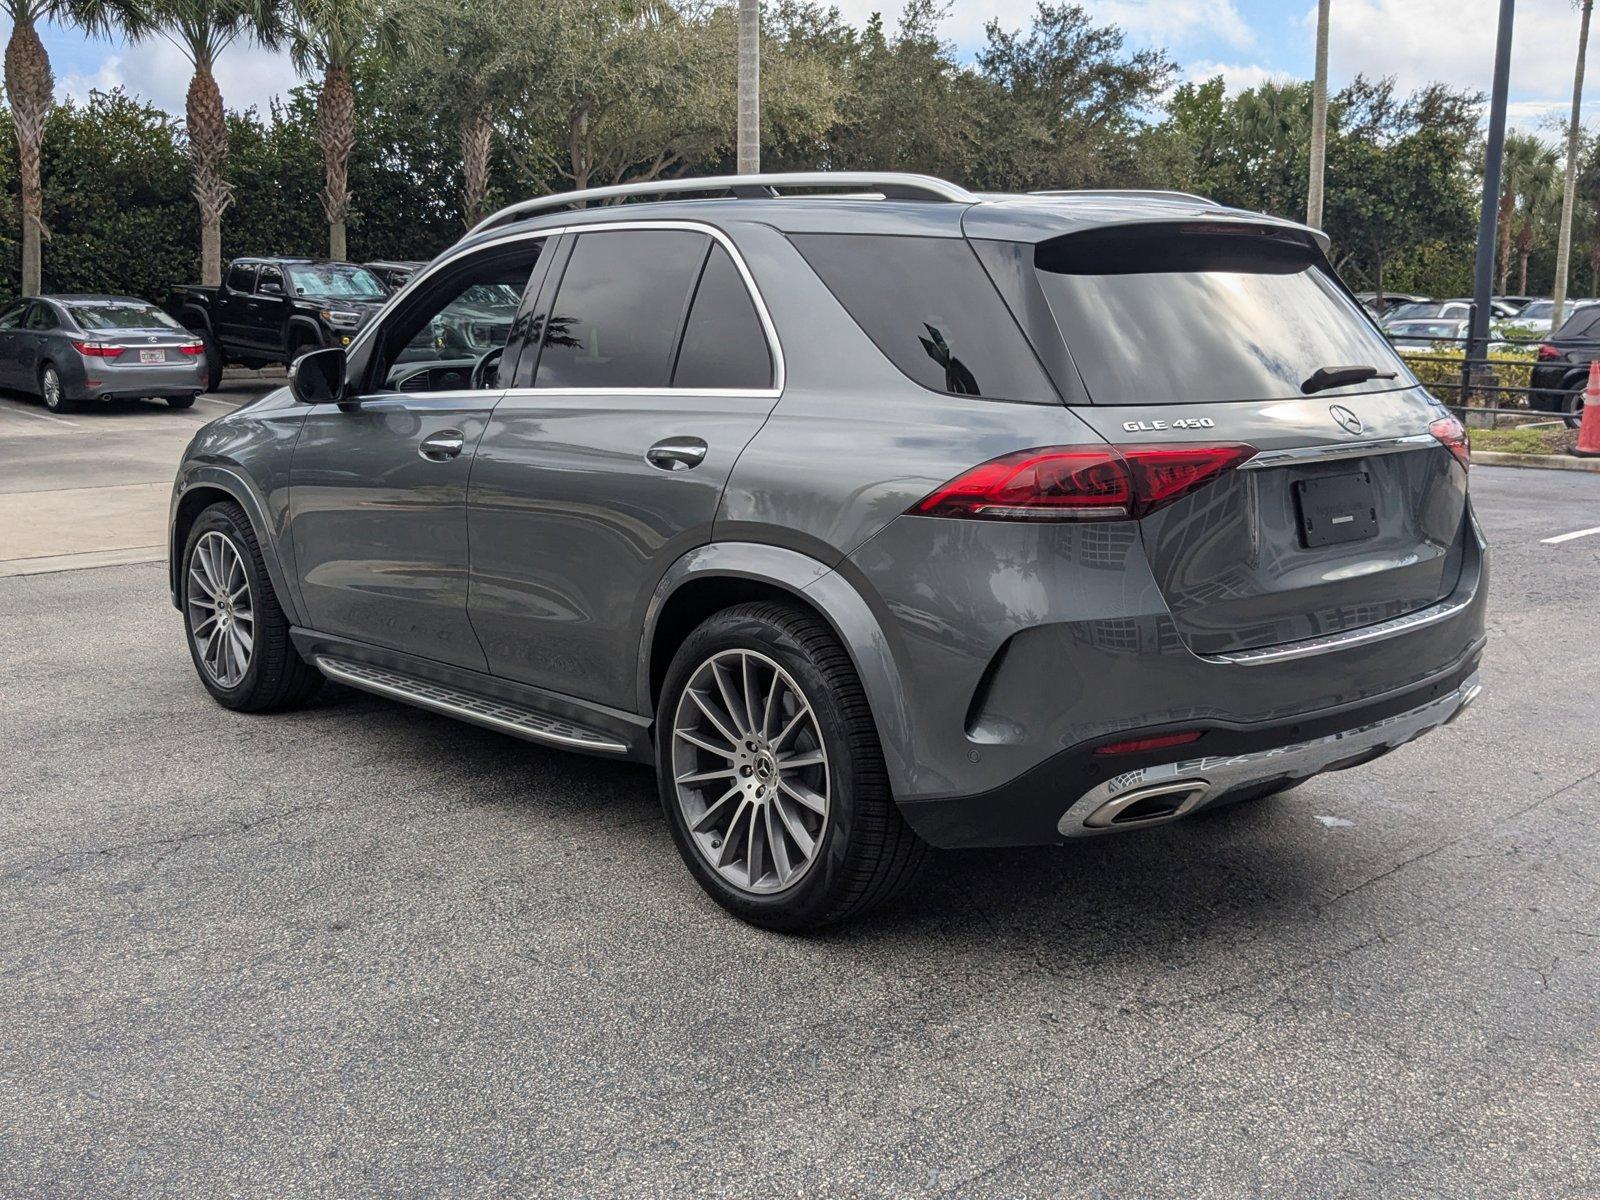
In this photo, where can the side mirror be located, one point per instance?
(318, 376)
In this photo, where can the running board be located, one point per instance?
(466, 706)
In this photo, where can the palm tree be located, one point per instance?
(749, 124)
(1319, 120)
(202, 30)
(1522, 154)
(326, 36)
(1570, 183)
(30, 91)
(1536, 195)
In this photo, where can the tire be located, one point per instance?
(862, 852)
(53, 391)
(213, 360)
(274, 676)
(1571, 406)
(180, 401)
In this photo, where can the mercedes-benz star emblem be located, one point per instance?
(1348, 421)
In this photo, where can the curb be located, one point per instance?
(1548, 462)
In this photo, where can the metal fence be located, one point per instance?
(1499, 390)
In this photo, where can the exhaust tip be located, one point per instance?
(1149, 806)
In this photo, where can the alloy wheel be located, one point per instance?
(750, 771)
(221, 618)
(50, 384)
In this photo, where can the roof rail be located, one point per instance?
(888, 184)
(1154, 193)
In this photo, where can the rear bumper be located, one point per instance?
(1079, 794)
(162, 379)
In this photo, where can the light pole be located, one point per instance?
(1483, 269)
(749, 160)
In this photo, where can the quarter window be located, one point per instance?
(724, 345)
(930, 307)
(618, 309)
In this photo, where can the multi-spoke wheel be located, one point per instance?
(750, 771)
(53, 391)
(772, 775)
(221, 621)
(238, 634)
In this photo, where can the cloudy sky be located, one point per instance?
(1243, 40)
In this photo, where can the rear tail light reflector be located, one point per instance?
(1081, 483)
(192, 349)
(1159, 741)
(1453, 435)
(98, 349)
(1548, 352)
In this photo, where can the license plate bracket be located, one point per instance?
(1336, 508)
(152, 356)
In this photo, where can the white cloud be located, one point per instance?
(1235, 77)
(1174, 23)
(159, 72)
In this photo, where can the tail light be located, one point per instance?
(1081, 483)
(192, 349)
(1453, 435)
(1547, 352)
(98, 349)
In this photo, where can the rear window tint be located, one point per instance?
(1581, 323)
(1156, 315)
(930, 307)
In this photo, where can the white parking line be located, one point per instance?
(28, 412)
(1567, 537)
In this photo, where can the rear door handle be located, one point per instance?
(676, 454)
(442, 446)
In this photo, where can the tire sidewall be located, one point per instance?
(62, 404)
(809, 900)
(217, 519)
(214, 362)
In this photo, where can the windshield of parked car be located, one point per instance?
(96, 317)
(1426, 329)
(351, 283)
(1416, 308)
(1174, 315)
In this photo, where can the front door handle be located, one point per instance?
(442, 446)
(676, 454)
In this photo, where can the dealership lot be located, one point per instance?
(360, 948)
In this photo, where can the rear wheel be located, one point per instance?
(53, 391)
(180, 401)
(772, 775)
(1572, 406)
(213, 354)
(237, 632)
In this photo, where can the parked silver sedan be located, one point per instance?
(72, 349)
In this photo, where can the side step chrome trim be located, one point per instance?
(1337, 450)
(1328, 643)
(1199, 781)
(454, 702)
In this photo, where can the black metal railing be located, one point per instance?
(1482, 392)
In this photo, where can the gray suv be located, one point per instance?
(878, 520)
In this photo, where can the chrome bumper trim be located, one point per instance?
(1337, 450)
(1328, 643)
(1202, 780)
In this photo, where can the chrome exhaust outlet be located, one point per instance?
(1150, 805)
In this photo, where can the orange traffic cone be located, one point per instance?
(1589, 429)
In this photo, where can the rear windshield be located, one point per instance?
(95, 317)
(1157, 315)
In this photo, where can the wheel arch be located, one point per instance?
(194, 318)
(297, 325)
(714, 577)
(207, 485)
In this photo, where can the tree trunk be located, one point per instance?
(208, 154)
(1522, 273)
(476, 133)
(1570, 184)
(336, 134)
(1508, 205)
(30, 89)
(1319, 121)
(749, 132)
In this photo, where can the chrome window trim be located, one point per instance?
(1337, 450)
(768, 327)
(1328, 643)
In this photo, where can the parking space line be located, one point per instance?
(1567, 537)
(28, 412)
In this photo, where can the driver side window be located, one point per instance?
(452, 333)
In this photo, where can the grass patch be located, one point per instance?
(1522, 441)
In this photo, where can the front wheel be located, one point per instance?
(772, 776)
(53, 391)
(237, 632)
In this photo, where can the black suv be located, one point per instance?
(1562, 371)
(269, 310)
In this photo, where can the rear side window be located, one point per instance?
(242, 277)
(1168, 315)
(42, 316)
(1581, 323)
(618, 308)
(928, 304)
(724, 345)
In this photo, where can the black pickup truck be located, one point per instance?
(272, 310)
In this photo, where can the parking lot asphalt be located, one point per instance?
(361, 949)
